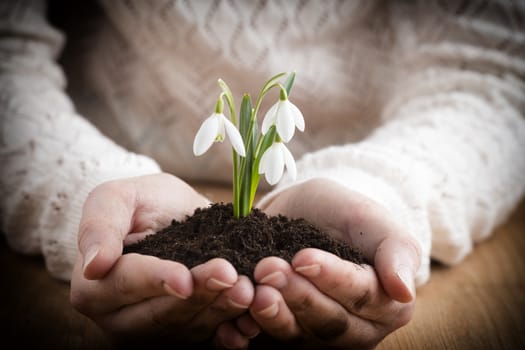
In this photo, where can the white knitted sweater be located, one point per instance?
(420, 107)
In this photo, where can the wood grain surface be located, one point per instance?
(479, 304)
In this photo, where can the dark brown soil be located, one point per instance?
(214, 232)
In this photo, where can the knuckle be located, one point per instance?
(80, 301)
(332, 328)
(328, 327)
(359, 302)
(85, 227)
(403, 316)
(154, 316)
(415, 247)
(398, 316)
(121, 285)
(199, 299)
(303, 303)
(220, 308)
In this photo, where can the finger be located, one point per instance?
(356, 287)
(229, 337)
(228, 304)
(197, 317)
(247, 325)
(152, 318)
(317, 313)
(272, 314)
(134, 278)
(240, 295)
(397, 261)
(210, 279)
(106, 220)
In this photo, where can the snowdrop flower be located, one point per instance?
(285, 116)
(273, 162)
(214, 129)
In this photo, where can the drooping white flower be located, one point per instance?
(214, 129)
(285, 116)
(273, 161)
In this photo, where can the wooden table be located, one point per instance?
(479, 304)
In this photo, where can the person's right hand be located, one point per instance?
(134, 297)
(321, 301)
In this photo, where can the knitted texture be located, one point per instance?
(420, 107)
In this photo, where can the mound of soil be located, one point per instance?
(214, 232)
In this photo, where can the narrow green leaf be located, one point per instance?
(246, 163)
(255, 130)
(289, 82)
(236, 193)
(244, 119)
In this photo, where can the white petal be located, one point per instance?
(220, 130)
(272, 164)
(269, 118)
(235, 137)
(298, 117)
(285, 121)
(206, 135)
(264, 162)
(289, 162)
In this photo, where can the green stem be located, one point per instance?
(236, 193)
(246, 162)
(226, 92)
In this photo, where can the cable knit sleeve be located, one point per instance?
(448, 160)
(51, 157)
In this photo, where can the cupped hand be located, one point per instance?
(134, 297)
(323, 301)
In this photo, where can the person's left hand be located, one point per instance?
(135, 297)
(321, 300)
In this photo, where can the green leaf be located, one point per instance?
(289, 83)
(246, 162)
(244, 119)
(254, 131)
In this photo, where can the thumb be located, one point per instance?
(106, 220)
(397, 260)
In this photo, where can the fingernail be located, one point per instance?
(276, 279)
(236, 304)
(269, 312)
(214, 284)
(309, 270)
(405, 275)
(173, 292)
(254, 334)
(89, 256)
